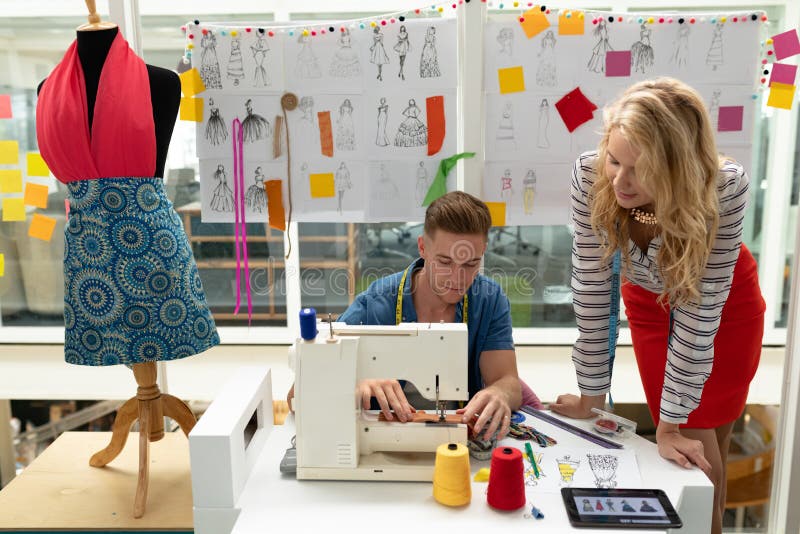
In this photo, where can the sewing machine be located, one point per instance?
(336, 439)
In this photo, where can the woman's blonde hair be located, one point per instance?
(667, 122)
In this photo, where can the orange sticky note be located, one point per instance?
(10, 181)
(325, 133)
(2, 264)
(36, 165)
(498, 213)
(277, 218)
(512, 80)
(322, 185)
(192, 109)
(13, 209)
(36, 195)
(9, 152)
(781, 95)
(42, 227)
(191, 82)
(533, 22)
(572, 24)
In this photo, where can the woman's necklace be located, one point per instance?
(644, 217)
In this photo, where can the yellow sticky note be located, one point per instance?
(191, 82)
(9, 152)
(498, 213)
(2, 264)
(781, 95)
(533, 22)
(36, 195)
(572, 25)
(13, 209)
(192, 109)
(42, 227)
(512, 80)
(36, 165)
(322, 185)
(10, 181)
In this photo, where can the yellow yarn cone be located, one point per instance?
(451, 478)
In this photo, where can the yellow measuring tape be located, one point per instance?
(398, 313)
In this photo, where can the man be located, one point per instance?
(444, 285)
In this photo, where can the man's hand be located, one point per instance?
(491, 406)
(680, 449)
(390, 397)
(578, 407)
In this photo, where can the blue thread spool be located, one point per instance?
(308, 324)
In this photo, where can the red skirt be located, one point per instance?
(737, 346)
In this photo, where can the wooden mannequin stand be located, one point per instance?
(149, 406)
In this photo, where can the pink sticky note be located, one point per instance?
(783, 73)
(618, 63)
(786, 44)
(730, 118)
(5, 106)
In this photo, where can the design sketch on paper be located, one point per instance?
(256, 197)
(402, 47)
(423, 183)
(429, 62)
(307, 65)
(378, 54)
(383, 116)
(259, 50)
(713, 109)
(597, 63)
(528, 191)
(254, 126)
(305, 178)
(506, 189)
(384, 189)
(566, 468)
(542, 136)
(604, 467)
(680, 54)
(642, 56)
(714, 56)
(412, 131)
(341, 181)
(235, 69)
(209, 64)
(345, 127)
(308, 129)
(505, 129)
(346, 63)
(222, 198)
(216, 132)
(530, 475)
(546, 71)
(505, 38)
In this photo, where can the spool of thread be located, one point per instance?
(451, 475)
(308, 323)
(506, 479)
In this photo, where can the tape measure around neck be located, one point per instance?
(613, 318)
(398, 311)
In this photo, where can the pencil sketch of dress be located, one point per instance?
(402, 47)
(642, 56)
(254, 126)
(305, 179)
(235, 65)
(209, 64)
(307, 65)
(412, 131)
(542, 136)
(259, 50)
(429, 62)
(342, 183)
(384, 189)
(714, 56)
(506, 189)
(222, 197)
(216, 132)
(546, 71)
(680, 56)
(423, 183)
(378, 54)
(256, 197)
(505, 38)
(308, 129)
(505, 129)
(528, 191)
(713, 109)
(383, 116)
(597, 63)
(346, 63)
(345, 127)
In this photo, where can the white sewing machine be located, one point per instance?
(336, 440)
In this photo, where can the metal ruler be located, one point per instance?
(574, 430)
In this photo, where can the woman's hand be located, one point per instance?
(577, 407)
(680, 449)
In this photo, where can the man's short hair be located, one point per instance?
(458, 213)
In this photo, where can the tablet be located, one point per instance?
(619, 508)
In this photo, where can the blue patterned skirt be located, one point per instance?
(132, 292)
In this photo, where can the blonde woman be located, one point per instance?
(657, 191)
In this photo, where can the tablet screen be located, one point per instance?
(642, 508)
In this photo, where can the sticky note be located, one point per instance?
(36, 165)
(783, 73)
(13, 209)
(512, 80)
(191, 82)
(618, 63)
(9, 152)
(730, 118)
(2, 264)
(36, 195)
(325, 133)
(322, 185)
(5, 106)
(575, 109)
(42, 227)
(533, 22)
(786, 44)
(10, 181)
(781, 95)
(498, 213)
(191, 109)
(572, 24)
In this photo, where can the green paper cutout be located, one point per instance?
(439, 185)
